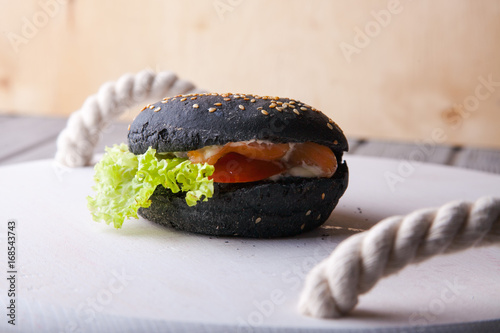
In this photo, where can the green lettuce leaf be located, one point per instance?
(124, 182)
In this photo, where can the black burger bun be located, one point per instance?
(183, 123)
(269, 208)
(264, 209)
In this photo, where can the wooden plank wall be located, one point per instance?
(419, 71)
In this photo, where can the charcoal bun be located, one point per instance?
(190, 122)
(264, 209)
(269, 208)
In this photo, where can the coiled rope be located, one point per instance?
(332, 288)
(76, 143)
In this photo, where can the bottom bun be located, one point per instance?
(264, 209)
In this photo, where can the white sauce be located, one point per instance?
(306, 171)
(181, 154)
(210, 151)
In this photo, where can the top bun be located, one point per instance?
(190, 122)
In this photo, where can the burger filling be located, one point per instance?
(124, 182)
(255, 160)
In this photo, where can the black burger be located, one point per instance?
(229, 165)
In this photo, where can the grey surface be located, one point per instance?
(20, 135)
(69, 320)
(406, 151)
(25, 139)
(487, 160)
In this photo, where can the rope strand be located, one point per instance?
(76, 143)
(332, 288)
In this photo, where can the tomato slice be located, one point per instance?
(236, 168)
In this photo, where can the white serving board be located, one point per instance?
(75, 275)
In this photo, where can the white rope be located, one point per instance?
(332, 287)
(76, 143)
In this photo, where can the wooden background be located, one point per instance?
(402, 70)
